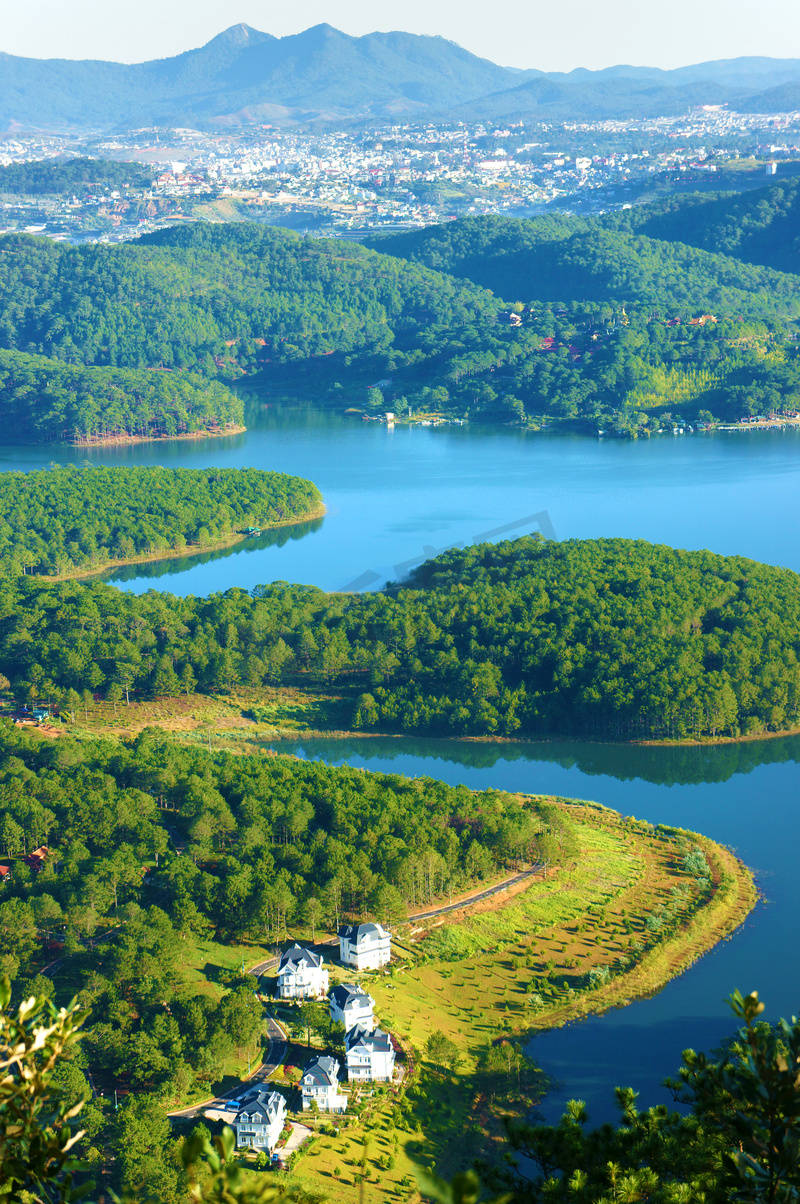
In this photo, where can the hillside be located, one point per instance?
(42, 176)
(244, 76)
(607, 330)
(761, 227)
(213, 298)
(594, 98)
(574, 259)
(610, 638)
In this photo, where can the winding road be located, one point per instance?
(471, 900)
(272, 1060)
(539, 868)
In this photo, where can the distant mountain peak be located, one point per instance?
(321, 32)
(239, 35)
(243, 76)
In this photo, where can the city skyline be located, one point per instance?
(524, 35)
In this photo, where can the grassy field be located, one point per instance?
(470, 977)
(243, 721)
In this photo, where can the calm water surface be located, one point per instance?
(403, 493)
(394, 496)
(745, 796)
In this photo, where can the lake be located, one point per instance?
(743, 795)
(396, 496)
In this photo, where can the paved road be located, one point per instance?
(485, 894)
(273, 1058)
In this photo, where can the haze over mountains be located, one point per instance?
(244, 76)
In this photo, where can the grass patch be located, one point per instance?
(471, 976)
(245, 720)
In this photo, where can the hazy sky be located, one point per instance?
(553, 35)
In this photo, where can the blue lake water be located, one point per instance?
(745, 796)
(394, 492)
(399, 495)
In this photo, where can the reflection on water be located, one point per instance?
(744, 795)
(663, 766)
(179, 564)
(392, 493)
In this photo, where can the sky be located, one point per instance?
(552, 35)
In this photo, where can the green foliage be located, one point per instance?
(42, 176)
(737, 1139)
(263, 837)
(64, 518)
(443, 1052)
(36, 1136)
(609, 637)
(605, 335)
(464, 1188)
(758, 227)
(44, 400)
(574, 259)
(603, 332)
(202, 297)
(599, 976)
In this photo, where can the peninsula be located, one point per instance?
(70, 522)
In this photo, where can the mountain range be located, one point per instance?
(243, 76)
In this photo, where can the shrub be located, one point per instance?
(599, 976)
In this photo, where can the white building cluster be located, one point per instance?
(369, 1050)
(346, 182)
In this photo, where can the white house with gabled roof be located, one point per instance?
(259, 1120)
(320, 1085)
(350, 1006)
(370, 1056)
(301, 974)
(364, 946)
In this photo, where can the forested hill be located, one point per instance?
(761, 227)
(65, 519)
(272, 843)
(608, 329)
(574, 259)
(42, 176)
(214, 297)
(44, 400)
(612, 637)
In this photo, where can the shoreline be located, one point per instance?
(549, 424)
(124, 440)
(464, 996)
(710, 742)
(179, 553)
(734, 897)
(263, 734)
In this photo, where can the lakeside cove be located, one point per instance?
(188, 550)
(401, 495)
(490, 977)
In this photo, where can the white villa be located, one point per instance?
(301, 974)
(351, 1006)
(320, 1083)
(370, 1055)
(260, 1119)
(364, 946)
